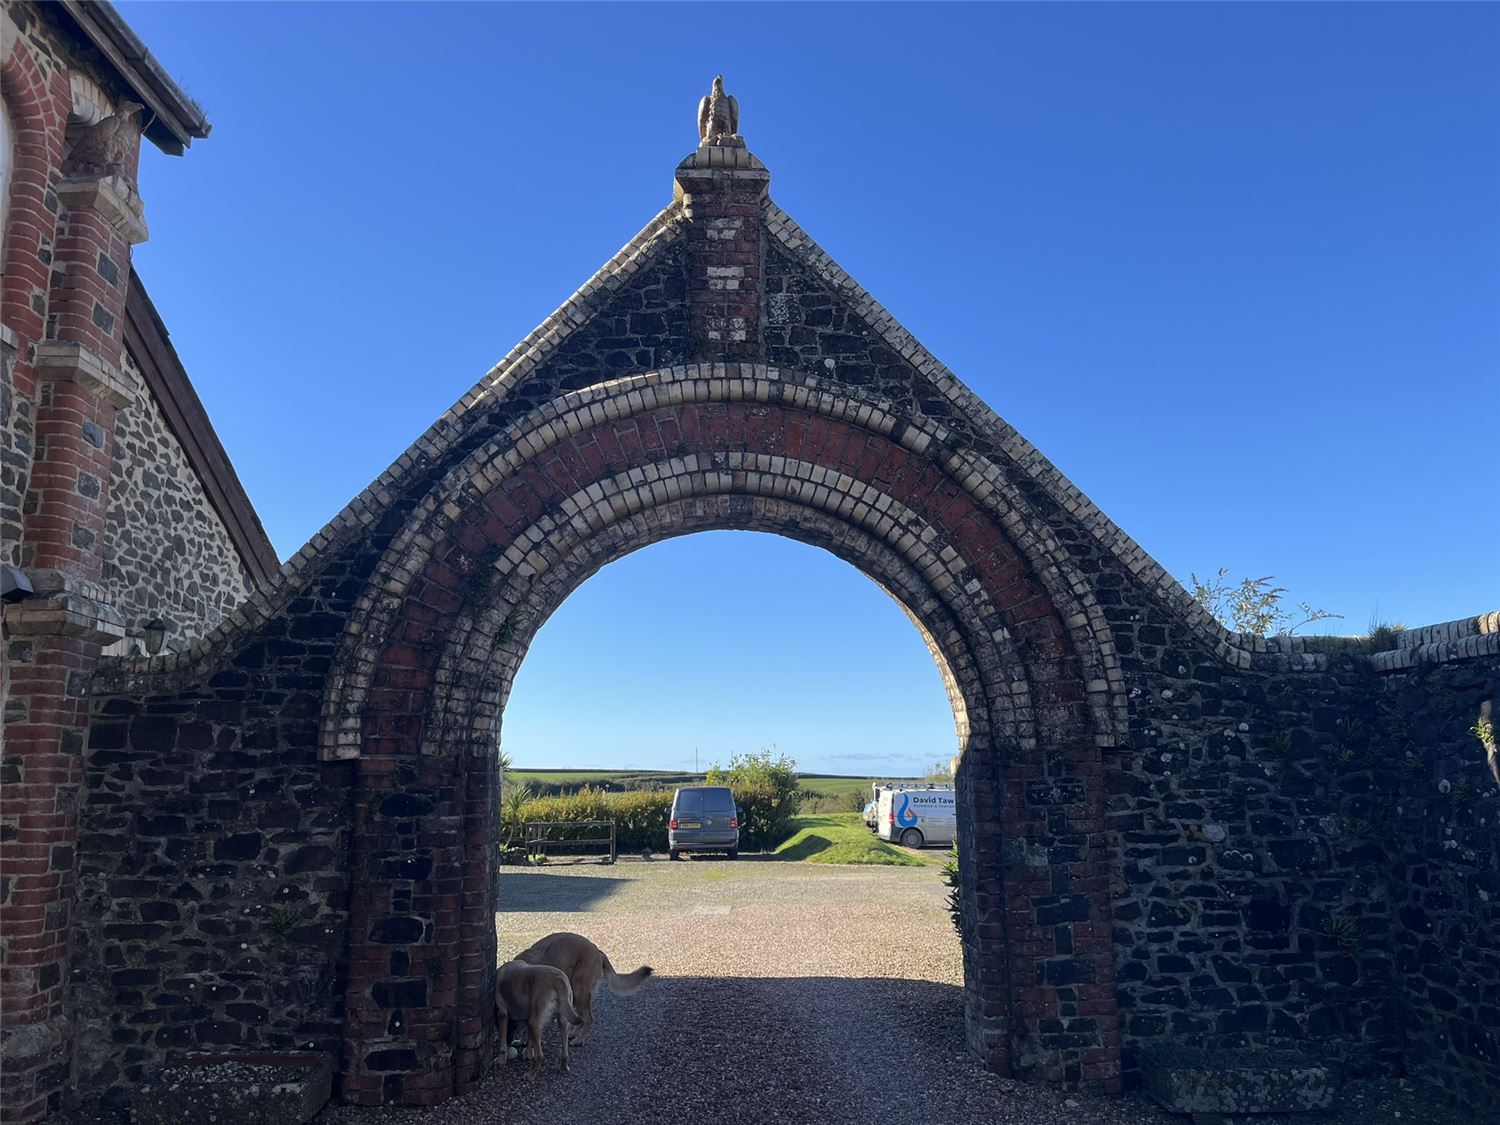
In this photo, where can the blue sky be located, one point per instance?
(1234, 268)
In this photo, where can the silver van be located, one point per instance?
(704, 819)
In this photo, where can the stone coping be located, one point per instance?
(1467, 638)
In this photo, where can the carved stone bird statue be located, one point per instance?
(103, 147)
(719, 117)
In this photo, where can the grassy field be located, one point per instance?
(843, 838)
(602, 777)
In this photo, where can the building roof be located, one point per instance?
(173, 120)
(148, 341)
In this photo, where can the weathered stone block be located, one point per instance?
(1207, 1082)
(237, 1090)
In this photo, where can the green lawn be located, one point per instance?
(843, 838)
(836, 784)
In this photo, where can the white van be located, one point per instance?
(917, 816)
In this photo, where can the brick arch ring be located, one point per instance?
(500, 543)
(581, 418)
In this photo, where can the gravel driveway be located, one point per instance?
(783, 992)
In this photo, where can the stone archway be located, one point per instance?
(312, 787)
(585, 477)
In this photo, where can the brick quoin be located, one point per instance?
(1058, 916)
(54, 294)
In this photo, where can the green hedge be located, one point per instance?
(641, 816)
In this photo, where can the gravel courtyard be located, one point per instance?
(783, 992)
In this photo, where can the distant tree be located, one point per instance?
(938, 771)
(756, 769)
(1253, 605)
(766, 788)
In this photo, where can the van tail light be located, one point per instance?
(891, 817)
(672, 824)
(734, 822)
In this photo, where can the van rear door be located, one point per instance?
(718, 809)
(687, 810)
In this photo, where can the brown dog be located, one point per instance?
(531, 995)
(585, 965)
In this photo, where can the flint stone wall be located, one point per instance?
(167, 552)
(1433, 809)
(15, 457)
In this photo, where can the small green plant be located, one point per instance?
(484, 574)
(512, 810)
(1383, 635)
(1280, 745)
(507, 631)
(1463, 794)
(1484, 730)
(1343, 928)
(1253, 605)
(955, 894)
(1348, 731)
(537, 859)
(284, 922)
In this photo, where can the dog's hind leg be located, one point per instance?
(586, 1010)
(535, 1027)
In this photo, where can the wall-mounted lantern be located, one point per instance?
(155, 634)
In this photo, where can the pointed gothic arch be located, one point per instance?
(502, 538)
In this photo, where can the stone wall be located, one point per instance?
(15, 457)
(1247, 908)
(167, 553)
(212, 868)
(1435, 812)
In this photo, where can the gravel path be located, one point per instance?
(784, 992)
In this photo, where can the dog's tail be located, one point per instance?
(621, 983)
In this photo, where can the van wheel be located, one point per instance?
(734, 853)
(674, 854)
(911, 838)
